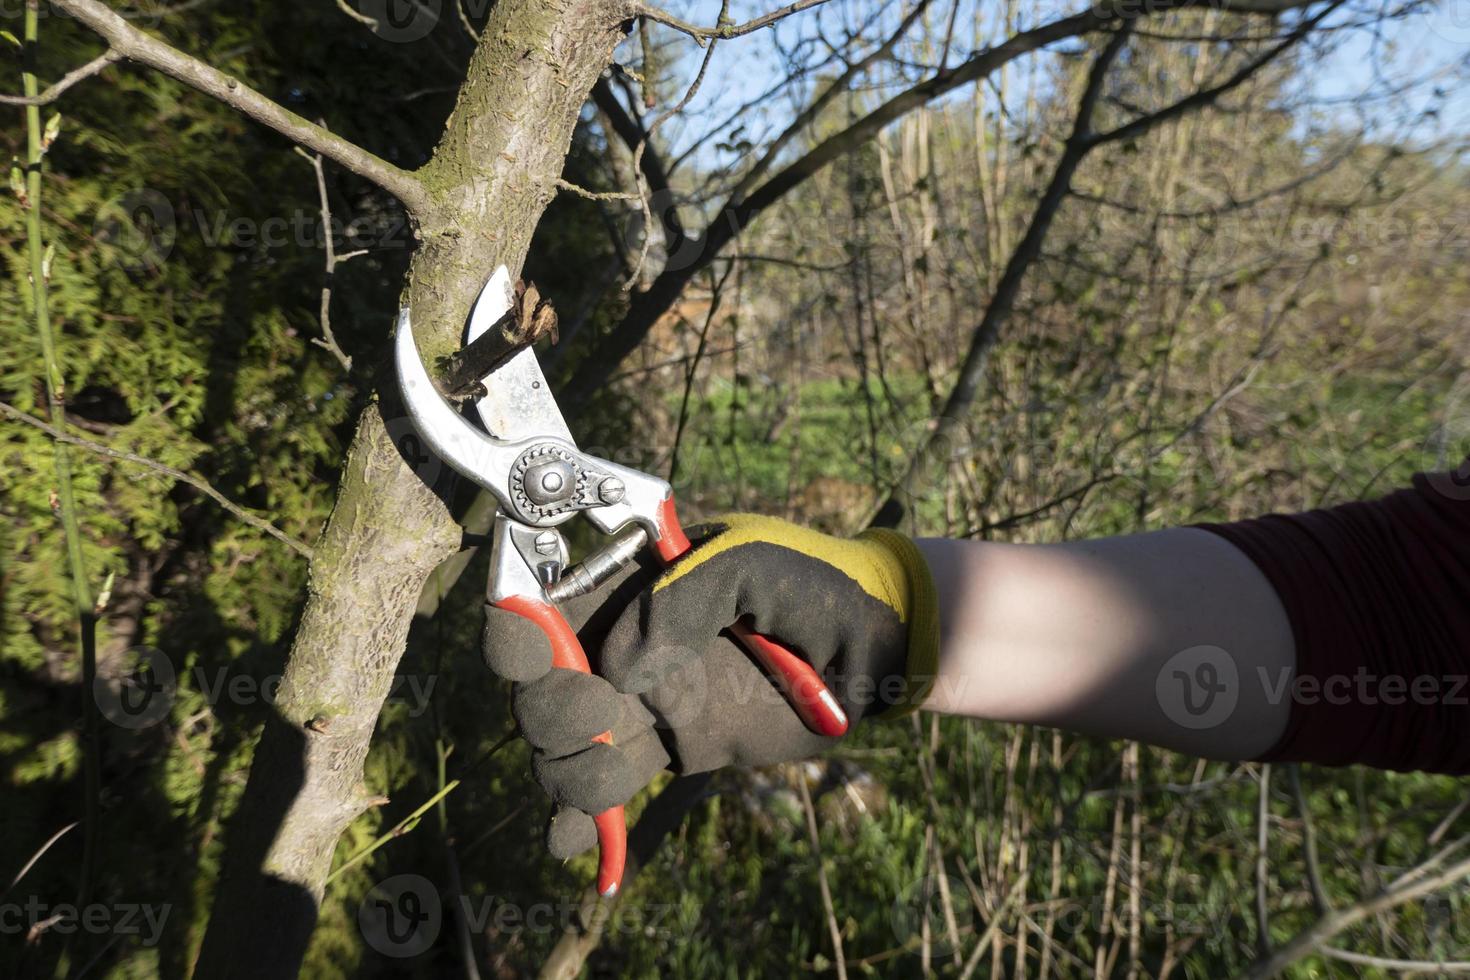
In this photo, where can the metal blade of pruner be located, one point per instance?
(517, 403)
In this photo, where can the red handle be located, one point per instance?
(798, 680)
(567, 653)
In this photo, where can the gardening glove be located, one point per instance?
(676, 692)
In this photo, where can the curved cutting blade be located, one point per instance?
(518, 403)
(448, 433)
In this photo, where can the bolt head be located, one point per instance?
(547, 484)
(611, 490)
(547, 543)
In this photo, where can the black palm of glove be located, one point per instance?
(676, 692)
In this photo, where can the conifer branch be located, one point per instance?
(198, 483)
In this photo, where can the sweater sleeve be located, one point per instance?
(1378, 597)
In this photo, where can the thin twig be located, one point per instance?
(826, 889)
(328, 340)
(1314, 938)
(152, 464)
(567, 185)
(93, 67)
(397, 830)
(370, 22)
(723, 30)
(38, 855)
(1309, 842)
(1406, 966)
(1263, 867)
(991, 928)
(465, 22)
(64, 505)
(643, 194)
(131, 43)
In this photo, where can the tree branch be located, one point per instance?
(591, 195)
(650, 304)
(722, 30)
(1206, 96)
(738, 212)
(1079, 143)
(197, 483)
(643, 191)
(813, 109)
(1420, 881)
(64, 504)
(1396, 965)
(129, 42)
(328, 340)
(655, 173)
(96, 66)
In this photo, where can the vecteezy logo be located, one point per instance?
(1446, 461)
(410, 445)
(140, 693)
(402, 21)
(401, 917)
(1451, 20)
(938, 900)
(1198, 688)
(137, 229)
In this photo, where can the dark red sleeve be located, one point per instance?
(1378, 594)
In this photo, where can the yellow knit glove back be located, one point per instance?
(866, 606)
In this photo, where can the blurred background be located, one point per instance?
(1217, 272)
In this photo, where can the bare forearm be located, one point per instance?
(1174, 638)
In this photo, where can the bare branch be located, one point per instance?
(997, 313)
(1421, 881)
(630, 130)
(370, 23)
(1309, 842)
(1263, 862)
(742, 209)
(835, 931)
(129, 42)
(723, 30)
(643, 146)
(328, 340)
(839, 85)
(202, 486)
(1408, 966)
(580, 191)
(38, 855)
(1207, 96)
(94, 67)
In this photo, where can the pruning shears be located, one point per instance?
(526, 456)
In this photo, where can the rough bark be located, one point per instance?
(490, 179)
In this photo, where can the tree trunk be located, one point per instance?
(489, 181)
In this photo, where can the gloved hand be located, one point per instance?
(677, 692)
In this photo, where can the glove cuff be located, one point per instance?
(922, 664)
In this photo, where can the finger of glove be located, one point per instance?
(601, 776)
(740, 717)
(562, 711)
(569, 832)
(513, 646)
(797, 600)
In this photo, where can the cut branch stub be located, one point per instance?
(530, 319)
